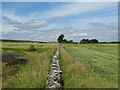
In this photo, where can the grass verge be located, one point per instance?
(33, 74)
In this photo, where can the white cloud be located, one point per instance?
(54, 36)
(37, 23)
(22, 19)
(7, 28)
(75, 8)
(103, 22)
(52, 26)
(55, 13)
(12, 16)
(31, 25)
(63, 10)
(108, 19)
(79, 34)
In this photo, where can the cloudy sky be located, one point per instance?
(45, 21)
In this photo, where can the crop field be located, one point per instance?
(24, 45)
(90, 65)
(82, 65)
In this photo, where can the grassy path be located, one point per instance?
(74, 73)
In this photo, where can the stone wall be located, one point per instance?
(54, 79)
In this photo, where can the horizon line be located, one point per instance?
(48, 41)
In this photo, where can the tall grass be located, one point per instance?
(74, 72)
(34, 73)
(100, 60)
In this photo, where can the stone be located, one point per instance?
(55, 78)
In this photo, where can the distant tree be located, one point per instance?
(75, 42)
(89, 41)
(65, 41)
(70, 41)
(84, 41)
(60, 38)
(94, 41)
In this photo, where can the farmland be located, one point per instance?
(82, 65)
(91, 65)
(34, 73)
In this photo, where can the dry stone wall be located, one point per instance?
(54, 79)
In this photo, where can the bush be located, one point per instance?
(31, 48)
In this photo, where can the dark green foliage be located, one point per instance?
(65, 41)
(75, 42)
(31, 48)
(70, 41)
(89, 41)
(60, 38)
(94, 41)
(84, 41)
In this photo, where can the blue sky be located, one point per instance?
(45, 21)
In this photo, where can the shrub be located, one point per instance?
(31, 48)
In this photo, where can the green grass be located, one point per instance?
(34, 73)
(25, 45)
(100, 60)
(5, 69)
(83, 65)
(74, 73)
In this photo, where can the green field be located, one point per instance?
(24, 45)
(90, 65)
(83, 65)
(34, 73)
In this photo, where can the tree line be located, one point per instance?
(62, 40)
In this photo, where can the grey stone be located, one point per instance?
(54, 78)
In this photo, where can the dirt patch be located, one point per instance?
(13, 59)
(9, 57)
(29, 52)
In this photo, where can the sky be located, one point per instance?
(45, 21)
